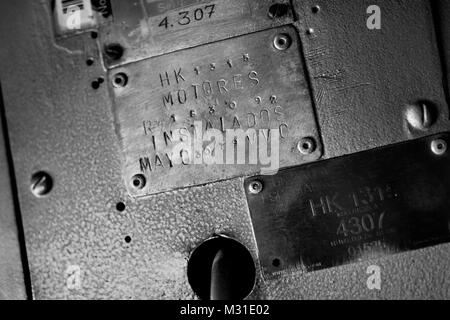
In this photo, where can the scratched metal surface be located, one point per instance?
(270, 87)
(363, 80)
(148, 28)
(59, 123)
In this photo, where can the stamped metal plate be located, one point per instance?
(240, 83)
(147, 28)
(353, 208)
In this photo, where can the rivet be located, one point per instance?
(255, 187)
(138, 181)
(439, 147)
(306, 146)
(120, 80)
(282, 42)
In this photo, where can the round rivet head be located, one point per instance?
(439, 147)
(282, 42)
(138, 181)
(306, 146)
(41, 184)
(120, 80)
(255, 187)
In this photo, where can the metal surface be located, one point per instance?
(441, 15)
(353, 208)
(240, 83)
(441, 10)
(364, 80)
(152, 28)
(12, 278)
(67, 129)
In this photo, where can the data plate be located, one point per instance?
(147, 28)
(241, 83)
(353, 208)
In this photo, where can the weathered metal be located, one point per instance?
(354, 208)
(242, 83)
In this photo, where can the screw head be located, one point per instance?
(306, 146)
(255, 187)
(439, 147)
(421, 116)
(41, 184)
(282, 42)
(138, 181)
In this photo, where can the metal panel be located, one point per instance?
(353, 208)
(67, 128)
(147, 28)
(363, 80)
(244, 83)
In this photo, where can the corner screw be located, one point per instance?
(138, 181)
(306, 146)
(255, 187)
(41, 184)
(439, 147)
(421, 116)
(282, 42)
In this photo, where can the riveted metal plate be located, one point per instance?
(147, 28)
(240, 83)
(353, 208)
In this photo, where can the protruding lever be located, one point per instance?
(221, 268)
(221, 278)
